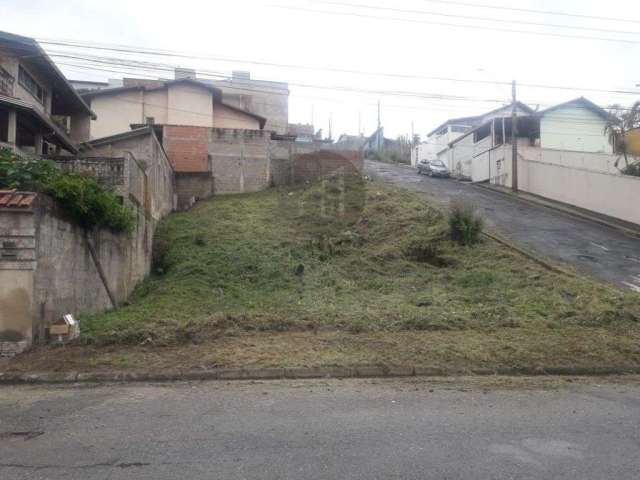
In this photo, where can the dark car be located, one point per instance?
(433, 168)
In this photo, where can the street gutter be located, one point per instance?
(370, 371)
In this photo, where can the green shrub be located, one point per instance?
(25, 174)
(632, 169)
(81, 197)
(465, 226)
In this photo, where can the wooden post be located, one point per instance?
(514, 141)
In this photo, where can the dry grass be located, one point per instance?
(345, 274)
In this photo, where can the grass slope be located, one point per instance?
(362, 259)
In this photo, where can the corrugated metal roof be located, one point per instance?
(15, 199)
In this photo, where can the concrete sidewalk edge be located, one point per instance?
(370, 371)
(551, 205)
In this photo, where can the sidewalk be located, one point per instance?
(595, 217)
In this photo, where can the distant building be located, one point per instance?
(88, 85)
(351, 142)
(377, 142)
(184, 102)
(265, 98)
(437, 142)
(304, 132)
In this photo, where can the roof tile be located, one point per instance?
(13, 199)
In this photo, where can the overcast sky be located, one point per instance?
(256, 30)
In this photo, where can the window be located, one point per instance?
(30, 85)
(151, 120)
(482, 133)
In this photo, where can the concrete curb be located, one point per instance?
(367, 371)
(565, 211)
(540, 261)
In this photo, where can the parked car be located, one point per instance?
(433, 168)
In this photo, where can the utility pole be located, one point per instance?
(330, 119)
(378, 131)
(514, 140)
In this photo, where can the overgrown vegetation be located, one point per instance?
(353, 257)
(465, 226)
(81, 197)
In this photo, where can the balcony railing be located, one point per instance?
(6, 82)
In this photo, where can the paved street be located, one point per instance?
(605, 253)
(356, 429)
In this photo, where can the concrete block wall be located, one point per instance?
(67, 279)
(53, 272)
(49, 270)
(149, 175)
(239, 160)
(17, 271)
(191, 187)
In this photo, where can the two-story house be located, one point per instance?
(184, 102)
(40, 112)
(438, 141)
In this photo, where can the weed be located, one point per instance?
(465, 225)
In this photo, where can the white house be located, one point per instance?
(577, 125)
(437, 144)
(575, 128)
(563, 155)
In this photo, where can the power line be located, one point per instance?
(562, 119)
(403, 93)
(468, 17)
(411, 94)
(458, 25)
(136, 50)
(527, 10)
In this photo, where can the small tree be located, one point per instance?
(619, 123)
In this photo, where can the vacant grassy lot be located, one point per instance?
(350, 273)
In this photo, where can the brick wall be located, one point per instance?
(247, 160)
(308, 167)
(187, 148)
(293, 162)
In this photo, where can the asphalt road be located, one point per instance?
(602, 252)
(356, 429)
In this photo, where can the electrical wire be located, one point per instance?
(143, 51)
(457, 25)
(467, 17)
(539, 12)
